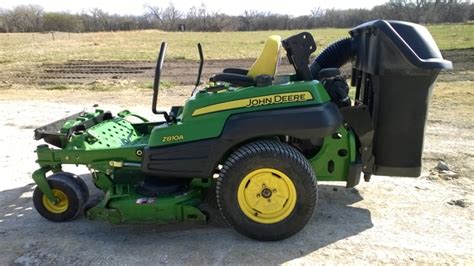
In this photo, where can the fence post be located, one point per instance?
(52, 34)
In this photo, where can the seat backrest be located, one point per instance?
(267, 62)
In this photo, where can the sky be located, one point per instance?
(233, 7)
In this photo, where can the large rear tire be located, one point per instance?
(267, 190)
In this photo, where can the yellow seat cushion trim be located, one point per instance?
(268, 60)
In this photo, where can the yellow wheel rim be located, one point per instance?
(59, 207)
(266, 196)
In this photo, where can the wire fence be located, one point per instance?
(37, 36)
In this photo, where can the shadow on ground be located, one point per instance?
(28, 238)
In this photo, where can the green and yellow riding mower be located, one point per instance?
(258, 140)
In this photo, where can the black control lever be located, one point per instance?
(201, 64)
(156, 82)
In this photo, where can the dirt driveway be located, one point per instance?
(392, 220)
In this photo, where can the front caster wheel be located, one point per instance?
(69, 195)
(267, 190)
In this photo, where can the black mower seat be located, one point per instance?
(265, 65)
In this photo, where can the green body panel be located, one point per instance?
(111, 134)
(191, 128)
(74, 121)
(336, 154)
(122, 205)
(97, 159)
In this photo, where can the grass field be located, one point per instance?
(27, 54)
(19, 49)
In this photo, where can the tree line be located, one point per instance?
(33, 18)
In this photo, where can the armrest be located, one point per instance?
(234, 79)
(232, 70)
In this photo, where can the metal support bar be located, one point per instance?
(39, 176)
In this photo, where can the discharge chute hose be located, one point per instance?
(334, 56)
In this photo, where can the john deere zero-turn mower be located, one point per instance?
(259, 139)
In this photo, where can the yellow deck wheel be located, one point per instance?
(59, 207)
(267, 196)
(70, 193)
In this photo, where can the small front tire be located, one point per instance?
(82, 183)
(69, 194)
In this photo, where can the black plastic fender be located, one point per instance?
(199, 159)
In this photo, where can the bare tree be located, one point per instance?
(168, 18)
(201, 19)
(25, 18)
(171, 17)
(60, 21)
(99, 19)
(247, 20)
(3, 20)
(317, 12)
(155, 12)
